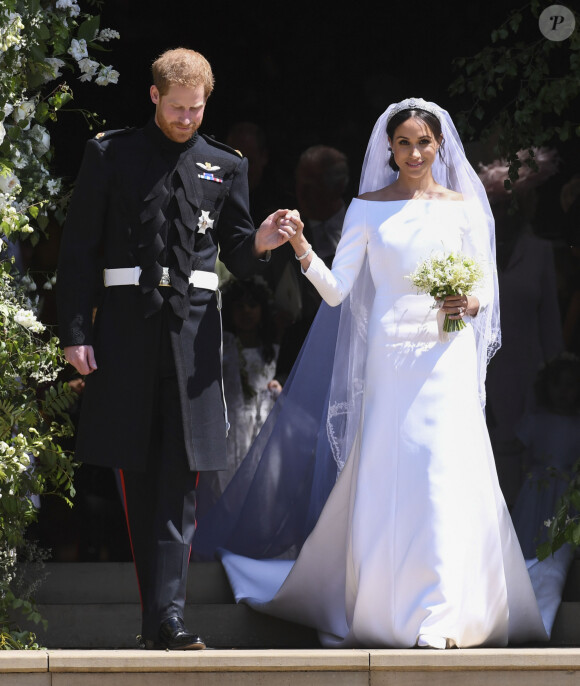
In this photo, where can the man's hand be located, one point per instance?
(82, 358)
(276, 229)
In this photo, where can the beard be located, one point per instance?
(173, 131)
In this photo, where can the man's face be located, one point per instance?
(179, 112)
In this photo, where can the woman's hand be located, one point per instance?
(457, 306)
(293, 226)
(277, 229)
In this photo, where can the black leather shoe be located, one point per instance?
(174, 636)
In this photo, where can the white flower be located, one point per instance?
(53, 186)
(8, 109)
(24, 110)
(8, 182)
(28, 283)
(10, 33)
(107, 35)
(2, 133)
(78, 49)
(107, 75)
(19, 160)
(40, 140)
(28, 320)
(55, 66)
(70, 5)
(88, 68)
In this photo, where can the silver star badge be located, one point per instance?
(208, 166)
(204, 222)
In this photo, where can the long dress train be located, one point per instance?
(415, 537)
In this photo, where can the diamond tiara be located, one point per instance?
(414, 104)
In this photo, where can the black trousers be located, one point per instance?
(160, 503)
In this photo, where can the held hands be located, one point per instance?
(290, 228)
(456, 306)
(82, 358)
(277, 229)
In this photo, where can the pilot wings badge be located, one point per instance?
(208, 166)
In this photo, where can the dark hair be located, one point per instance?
(426, 117)
(238, 290)
(333, 164)
(564, 363)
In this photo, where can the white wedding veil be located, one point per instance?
(453, 171)
(274, 500)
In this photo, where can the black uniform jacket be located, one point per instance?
(143, 200)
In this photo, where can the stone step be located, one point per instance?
(106, 582)
(115, 626)
(566, 629)
(96, 605)
(478, 667)
(572, 586)
(116, 582)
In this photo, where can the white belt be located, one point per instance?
(129, 276)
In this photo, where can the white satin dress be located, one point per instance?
(415, 538)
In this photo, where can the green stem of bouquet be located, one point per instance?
(451, 325)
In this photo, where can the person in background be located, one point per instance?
(530, 315)
(322, 178)
(250, 352)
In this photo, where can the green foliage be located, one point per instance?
(564, 526)
(38, 39)
(33, 419)
(523, 90)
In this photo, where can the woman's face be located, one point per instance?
(414, 147)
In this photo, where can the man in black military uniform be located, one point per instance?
(150, 209)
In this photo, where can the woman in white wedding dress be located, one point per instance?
(414, 546)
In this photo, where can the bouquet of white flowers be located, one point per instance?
(442, 275)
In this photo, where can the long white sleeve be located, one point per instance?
(335, 284)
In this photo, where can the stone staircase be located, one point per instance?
(96, 606)
(93, 614)
(566, 630)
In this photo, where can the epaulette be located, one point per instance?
(220, 145)
(104, 135)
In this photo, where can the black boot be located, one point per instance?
(174, 636)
